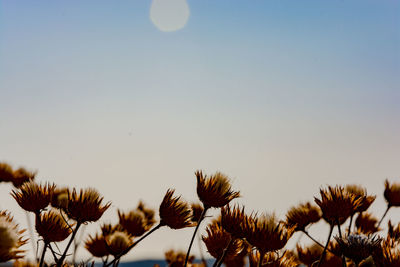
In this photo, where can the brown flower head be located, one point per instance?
(234, 221)
(59, 198)
(86, 206)
(366, 223)
(177, 258)
(32, 196)
(21, 176)
(10, 238)
(174, 212)
(303, 215)
(135, 222)
(273, 260)
(148, 213)
(214, 191)
(118, 242)
(358, 247)
(6, 172)
(311, 255)
(267, 234)
(394, 231)
(217, 240)
(97, 246)
(387, 255)
(361, 193)
(392, 194)
(52, 227)
(337, 204)
(197, 210)
(108, 229)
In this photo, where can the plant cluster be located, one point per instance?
(235, 238)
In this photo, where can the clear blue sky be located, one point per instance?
(283, 96)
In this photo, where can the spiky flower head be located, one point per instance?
(272, 259)
(149, 213)
(197, 210)
(21, 176)
(175, 212)
(59, 198)
(118, 242)
(310, 256)
(10, 238)
(267, 234)
(217, 240)
(214, 191)
(33, 197)
(136, 223)
(233, 220)
(86, 206)
(177, 258)
(51, 226)
(337, 204)
(358, 247)
(361, 192)
(392, 194)
(6, 172)
(366, 223)
(303, 215)
(97, 246)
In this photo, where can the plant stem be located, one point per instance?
(340, 234)
(351, 221)
(61, 260)
(194, 234)
(313, 239)
(383, 216)
(134, 244)
(219, 262)
(326, 246)
(43, 253)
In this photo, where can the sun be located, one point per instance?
(169, 15)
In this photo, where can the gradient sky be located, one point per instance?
(282, 96)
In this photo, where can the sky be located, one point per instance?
(285, 97)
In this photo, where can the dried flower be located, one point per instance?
(273, 260)
(392, 194)
(361, 193)
(135, 222)
(148, 213)
(174, 212)
(177, 258)
(6, 172)
(32, 196)
(197, 210)
(86, 206)
(234, 221)
(358, 247)
(337, 205)
(267, 234)
(214, 191)
(10, 238)
(21, 176)
(59, 198)
(303, 215)
(217, 240)
(366, 223)
(97, 246)
(118, 242)
(311, 255)
(52, 227)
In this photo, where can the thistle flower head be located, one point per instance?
(86, 206)
(118, 242)
(303, 215)
(174, 212)
(358, 247)
(51, 226)
(337, 205)
(136, 222)
(217, 240)
(360, 192)
(233, 220)
(10, 238)
(21, 176)
(392, 194)
(267, 234)
(197, 210)
(366, 223)
(310, 256)
(273, 260)
(59, 198)
(32, 196)
(6, 172)
(177, 258)
(214, 191)
(97, 246)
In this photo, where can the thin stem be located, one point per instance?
(77, 241)
(43, 253)
(53, 252)
(222, 258)
(383, 216)
(340, 234)
(194, 234)
(134, 244)
(351, 222)
(312, 238)
(203, 260)
(326, 246)
(61, 260)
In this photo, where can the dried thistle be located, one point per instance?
(59, 198)
(366, 223)
(392, 194)
(272, 260)
(135, 222)
(118, 242)
(32, 196)
(303, 215)
(214, 191)
(10, 238)
(97, 246)
(21, 176)
(174, 212)
(51, 226)
(233, 220)
(361, 192)
(6, 172)
(197, 210)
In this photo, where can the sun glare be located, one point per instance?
(169, 15)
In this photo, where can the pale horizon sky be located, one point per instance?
(282, 96)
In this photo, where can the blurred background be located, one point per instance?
(131, 97)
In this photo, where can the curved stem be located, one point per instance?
(351, 222)
(344, 264)
(219, 262)
(43, 253)
(326, 246)
(134, 244)
(312, 238)
(383, 216)
(194, 234)
(61, 260)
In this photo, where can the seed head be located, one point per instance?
(361, 192)
(272, 259)
(366, 223)
(97, 246)
(10, 238)
(197, 210)
(358, 247)
(59, 198)
(51, 226)
(233, 220)
(32, 196)
(136, 223)
(174, 212)
(21, 176)
(6, 172)
(303, 215)
(118, 242)
(214, 191)
(392, 194)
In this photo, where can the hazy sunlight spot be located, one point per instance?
(169, 15)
